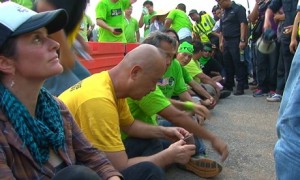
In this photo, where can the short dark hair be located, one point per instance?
(148, 2)
(181, 6)
(155, 38)
(215, 8)
(167, 30)
(198, 46)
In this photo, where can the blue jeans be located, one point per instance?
(143, 171)
(76, 172)
(136, 147)
(200, 147)
(287, 148)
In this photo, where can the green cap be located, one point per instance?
(186, 47)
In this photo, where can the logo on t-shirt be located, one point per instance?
(168, 81)
(76, 86)
(116, 12)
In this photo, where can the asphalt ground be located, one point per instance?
(247, 125)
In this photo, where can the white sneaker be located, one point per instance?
(274, 98)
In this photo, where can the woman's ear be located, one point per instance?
(7, 65)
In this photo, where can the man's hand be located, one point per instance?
(145, 11)
(209, 103)
(201, 110)
(181, 152)
(242, 45)
(293, 45)
(288, 29)
(220, 147)
(174, 133)
(115, 32)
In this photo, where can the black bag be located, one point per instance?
(258, 29)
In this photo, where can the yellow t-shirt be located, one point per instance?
(98, 113)
(193, 68)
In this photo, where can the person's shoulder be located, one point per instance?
(237, 6)
(176, 63)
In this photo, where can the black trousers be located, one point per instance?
(233, 65)
(284, 65)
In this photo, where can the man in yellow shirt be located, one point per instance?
(98, 104)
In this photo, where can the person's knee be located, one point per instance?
(144, 170)
(153, 171)
(76, 172)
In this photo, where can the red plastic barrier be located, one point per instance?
(105, 56)
(130, 46)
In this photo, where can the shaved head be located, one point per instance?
(137, 74)
(147, 56)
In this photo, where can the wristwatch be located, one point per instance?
(242, 40)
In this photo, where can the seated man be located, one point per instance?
(184, 56)
(156, 103)
(194, 69)
(98, 104)
(209, 65)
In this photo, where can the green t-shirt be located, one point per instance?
(203, 61)
(186, 75)
(172, 82)
(147, 22)
(193, 68)
(85, 23)
(131, 27)
(113, 15)
(180, 20)
(26, 3)
(146, 109)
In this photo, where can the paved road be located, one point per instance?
(247, 125)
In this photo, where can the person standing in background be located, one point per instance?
(285, 57)
(132, 32)
(86, 27)
(214, 12)
(110, 19)
(145, 19)
(180, 22)
(233, 40)
(266, 64)
(158, 20)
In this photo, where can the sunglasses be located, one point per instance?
(190, 49)
(207, 51)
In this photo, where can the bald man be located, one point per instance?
(98, 104)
